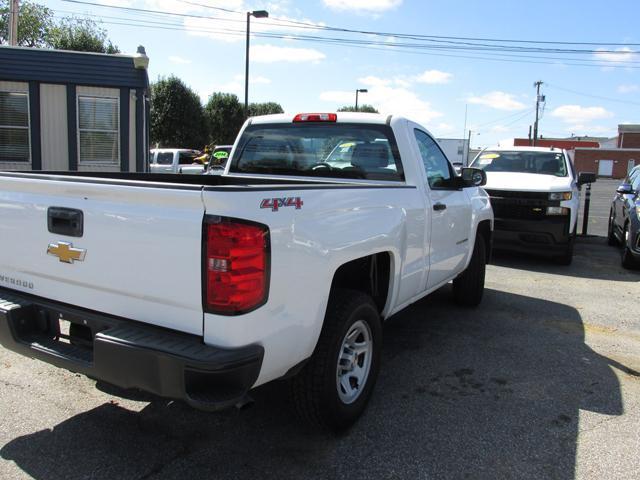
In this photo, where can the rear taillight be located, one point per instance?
(315, 117)
(236, 265)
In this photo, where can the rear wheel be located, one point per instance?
(628, 261)
(333, 388)
(468, 287)
(611, 236)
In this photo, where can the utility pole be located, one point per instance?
(13, 22)
(539, 99)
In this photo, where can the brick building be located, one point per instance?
(612, 162)
(566, 143)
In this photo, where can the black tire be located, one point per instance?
(468, 287)
(627, 259)
(315, 390)
(567, 257)
(611, 236)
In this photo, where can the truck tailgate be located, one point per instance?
(141, 245)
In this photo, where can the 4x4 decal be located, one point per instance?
(277, 203)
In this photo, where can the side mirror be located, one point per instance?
(473, 177)
(586, 177)
(625, 189)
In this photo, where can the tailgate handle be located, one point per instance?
(65, 221)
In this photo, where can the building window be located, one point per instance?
(98, 130)
(14, 127)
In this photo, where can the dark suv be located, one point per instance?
(624, 219)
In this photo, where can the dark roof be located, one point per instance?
(60, 66)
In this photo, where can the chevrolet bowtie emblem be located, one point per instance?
(65, 252)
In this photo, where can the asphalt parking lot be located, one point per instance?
(541, 381)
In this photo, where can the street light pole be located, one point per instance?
(256, 14)
(359, 90)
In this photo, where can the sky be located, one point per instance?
(590, 86)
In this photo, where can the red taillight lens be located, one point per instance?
(236, 266)
(315, 117)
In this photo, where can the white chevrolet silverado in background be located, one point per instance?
(175, 160)
(203, 287)
(535, 194)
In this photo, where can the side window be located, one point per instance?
(164, 158)
(435, 163)
(186, 158)
(636, 182)
(98, 130)
(14, 127)
(632, 176)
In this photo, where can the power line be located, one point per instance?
(552, 42)
(498, 53)
(449, 45)
(365, 45)
(520, 114)
(599, 97)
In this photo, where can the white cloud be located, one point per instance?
(620, 55)
(442, 129)
(272, 54)
(369, 6)
(388, 100)
(582, 129)
(179, 60)
(372, 81)
(118, 3)
(221, 27)
(576, 114)
(204, 27)
(433, 77)
(499, 129)
(628, 88)
(497, 100)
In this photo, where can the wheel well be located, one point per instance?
(370, 275)
(484, 229)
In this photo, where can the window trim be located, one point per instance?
(85, 163)
(28, 128)
(452, 174)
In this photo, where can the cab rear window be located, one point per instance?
(337, 150)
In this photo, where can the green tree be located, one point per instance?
(81, 35)
(37, 28)
(266, 108)
(34, 24)
(361, 108)
(177, 118)
(225, 116)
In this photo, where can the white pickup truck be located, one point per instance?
(175, 160)
(535, 194)
(202, 287)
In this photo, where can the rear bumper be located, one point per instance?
(129, 354)
(548, 236)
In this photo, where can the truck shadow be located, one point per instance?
(593, 258)
(487, 393)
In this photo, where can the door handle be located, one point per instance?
(439, 206)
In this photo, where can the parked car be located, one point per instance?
(278, 269)
(218, 159)
(624, 219)
(535, 194)
(174, 160)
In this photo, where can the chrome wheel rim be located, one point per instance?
(354, 362)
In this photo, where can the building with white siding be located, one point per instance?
(73, 111)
